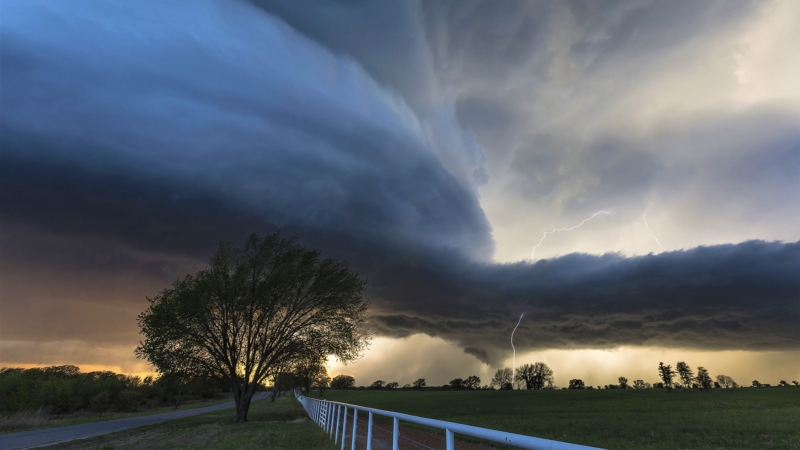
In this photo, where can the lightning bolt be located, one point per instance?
(546, 233)
(514, 359)
(651, 232)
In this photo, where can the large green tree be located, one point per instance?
(254, 311)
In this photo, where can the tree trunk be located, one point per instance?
(243, 398)
(180, 388)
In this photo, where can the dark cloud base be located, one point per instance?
(744, 296)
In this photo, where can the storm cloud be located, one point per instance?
(428, 144)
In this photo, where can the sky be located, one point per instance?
(444, 149)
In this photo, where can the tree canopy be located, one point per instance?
(535, 376)
(254, 312)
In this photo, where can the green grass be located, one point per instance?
(279, 425)
(616, 419)
(78, 419)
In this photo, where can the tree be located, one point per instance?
(419, 384)
(623, 382)
(535, 376)
(666, 374)
(756, 383)
(343, 382)
(576, 384)
(472, 382)
(456, 383)
(795, 383)
(703, 379)
(392, 385)
(685, 374)
(253, 310)
(377, 384)
(309, 373)
(726, 381)
(638, 384)
(502, 379)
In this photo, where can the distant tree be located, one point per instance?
(456, 383)
(472, 382)
(392, 385)
(658, 385)
(253, 310)
(726, 381)
(703, 379)
(685, 374)
(795, 383)
(379, 384)
(576, 384)
(343, 382)
(783, 383)
(717, 385)
(406, 386)
(666, 374)
(756, 384)
(322, 383)
(419, 384)
(638, 384)
(502, 379)
(535, 376)
(623, 382)
(308, 373)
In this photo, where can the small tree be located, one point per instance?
(502, 379)
(726, 381)
(685, 374)
(666, 374)
(392, 385)
(342, 382)
(419, 384)
(253, 310)
(703, 379)
(795, 383)
(576, 384)
(638, 384)
(623, 382)
(472, 382)
(379, 384)
(456, 383)
(756, 383)
(535, 376)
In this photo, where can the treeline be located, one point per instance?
(538, 376)
(62, 390)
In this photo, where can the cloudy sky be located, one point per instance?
(439, 147)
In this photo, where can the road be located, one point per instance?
(50, 436)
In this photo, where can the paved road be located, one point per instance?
(50, 436)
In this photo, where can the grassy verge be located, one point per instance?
(618, 419)
(279, 425)
(34, 420)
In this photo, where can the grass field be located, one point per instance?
(279, 425)
(10, 424)
(615, 419)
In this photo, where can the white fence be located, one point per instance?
(333, 417)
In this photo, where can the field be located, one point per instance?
(615, 419)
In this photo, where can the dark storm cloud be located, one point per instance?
(159, 128)
(743, 296)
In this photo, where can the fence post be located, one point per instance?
(450, 439)
(355, 422)
(344, 428)
(369, 432)
(396, 434)
(338, 417)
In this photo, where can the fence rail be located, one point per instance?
(333, 417)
